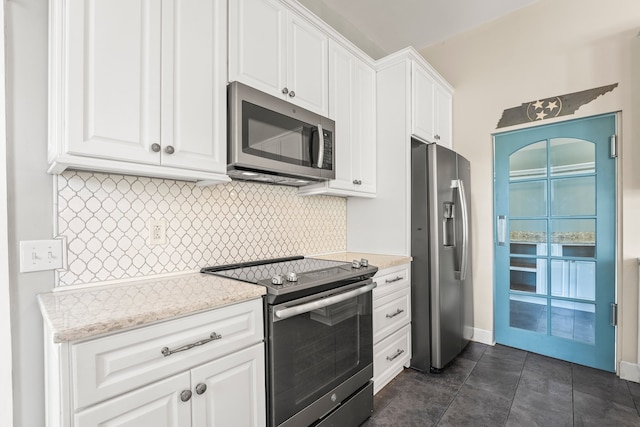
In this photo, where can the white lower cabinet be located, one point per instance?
(207, 369)
(391, 324)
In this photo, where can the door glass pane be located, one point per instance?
(529, 162)
(528, 198)
(573, 196)
(573, 320)
(528, 236)
(573, 279)
(528, 312)
(528, 275)
(573, 237)
(571, 156)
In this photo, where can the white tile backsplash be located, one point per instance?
(105, 220)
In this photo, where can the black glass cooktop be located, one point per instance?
(309, 272)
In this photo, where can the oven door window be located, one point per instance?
(313, 352)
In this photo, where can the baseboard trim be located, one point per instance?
(483, 336)
(630, 371)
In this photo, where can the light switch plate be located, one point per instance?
(40, 255)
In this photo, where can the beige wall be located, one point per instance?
(551, 48)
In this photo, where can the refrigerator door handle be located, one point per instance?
(459, 184)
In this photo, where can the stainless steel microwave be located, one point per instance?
(274, 141)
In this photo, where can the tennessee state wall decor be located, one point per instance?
(547, 108)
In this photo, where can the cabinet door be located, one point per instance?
(257, 45)
(364, 127)
(422, 119)
(158, 404)
(113, 78)
(443, 113)
(230, 391)
(341, 109)
(307, 66)
(194, 84)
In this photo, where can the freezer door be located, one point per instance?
(420, 266)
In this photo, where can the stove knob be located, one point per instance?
(292, 277)
(277, 280)
(364, 262)
(355, 263)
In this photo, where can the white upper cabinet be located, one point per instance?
(278, 52)
(139, 87)
(352, 90)
(431, 107)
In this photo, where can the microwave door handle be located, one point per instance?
(320, 146)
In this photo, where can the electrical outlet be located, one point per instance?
(157, 232)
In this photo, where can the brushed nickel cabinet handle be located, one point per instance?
(394, 280)
(395, 356)
(391, 316)
(201, 388)
(213, 337)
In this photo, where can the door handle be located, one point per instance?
(287, 312)
(464, 263)
(320, 146)
(502, 230)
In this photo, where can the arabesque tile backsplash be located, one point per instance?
(105, 219)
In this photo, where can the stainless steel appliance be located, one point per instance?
(273, 141)
(441, 279)
(319, 339)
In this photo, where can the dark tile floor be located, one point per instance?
(503, 386)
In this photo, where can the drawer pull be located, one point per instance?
(391, 316)
(395, 356)
(394, 280)
(166, 352)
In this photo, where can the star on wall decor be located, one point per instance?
(547, 108)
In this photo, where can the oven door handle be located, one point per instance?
(285, 313)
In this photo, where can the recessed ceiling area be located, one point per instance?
(395, 24)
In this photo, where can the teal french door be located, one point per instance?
(555, 240)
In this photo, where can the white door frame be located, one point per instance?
(6, 365)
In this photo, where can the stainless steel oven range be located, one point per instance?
(319, 340)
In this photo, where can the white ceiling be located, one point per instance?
(396, 24)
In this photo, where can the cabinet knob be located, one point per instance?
(437, 137)
(292, 94)
(155, 147)
(285, 90)
(201, 388)
(185, 395)
(357, 182)
(169, 149)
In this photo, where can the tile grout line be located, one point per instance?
(516, 389)
(475, 363)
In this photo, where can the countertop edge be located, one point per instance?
(67, 324)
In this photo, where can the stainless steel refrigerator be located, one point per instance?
(441, 277)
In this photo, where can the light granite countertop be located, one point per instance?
(379, 260)
(83, 313)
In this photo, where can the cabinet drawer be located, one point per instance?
(391, 279)
(112, 365)
(389, 356)
(390, 312)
